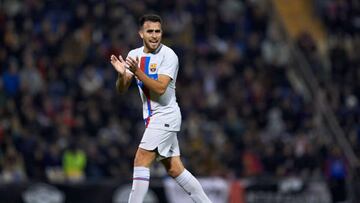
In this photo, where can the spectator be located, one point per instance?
(336, 172)
(90, 81)
(13, 166)
(31, 80)
(11, 79)
(53, 164)
(74, 162)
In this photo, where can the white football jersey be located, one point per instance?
(159, 112)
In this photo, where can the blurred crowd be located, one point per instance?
(337, 68)
(62, 120)
(341, 77)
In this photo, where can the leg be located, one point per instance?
(185, 179)
(140, 185)
(144, 158)
(173, 165)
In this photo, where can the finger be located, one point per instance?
(121, 59)
(132, 59)
(128, 64)
(113, 58)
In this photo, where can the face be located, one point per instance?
(151, 33)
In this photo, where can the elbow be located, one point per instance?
(121, 89)
(160, 91)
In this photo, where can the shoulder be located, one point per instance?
(135, 52)
(168, 52)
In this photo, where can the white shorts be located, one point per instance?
(165, 142)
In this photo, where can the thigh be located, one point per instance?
(164, 142)
(144, 157)
(169, 147)
(152, 138)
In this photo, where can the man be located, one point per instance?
(155, 68)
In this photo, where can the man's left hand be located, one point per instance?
(132, 64)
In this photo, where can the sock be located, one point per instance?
(140, 184)
(192, 187)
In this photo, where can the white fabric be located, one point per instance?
(192, 187)
(140, 184)
(216, 188)
(161, 112)
(165, 142)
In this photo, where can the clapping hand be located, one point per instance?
(119, 64)
(132, 64)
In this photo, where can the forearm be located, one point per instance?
(123, 82)
(156, 86)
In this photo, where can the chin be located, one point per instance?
(155, 47)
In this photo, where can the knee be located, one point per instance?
(174, 171)
(142, 161)
(138, 161)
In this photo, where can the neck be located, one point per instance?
(147, 50)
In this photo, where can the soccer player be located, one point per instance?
(155, 67)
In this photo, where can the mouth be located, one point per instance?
(153, 43)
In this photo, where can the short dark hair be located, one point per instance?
(149, 17)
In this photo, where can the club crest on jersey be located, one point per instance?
(153, 67)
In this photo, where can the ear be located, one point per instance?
(141, 34)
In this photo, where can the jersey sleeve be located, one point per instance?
(132, 54)
(169, 65)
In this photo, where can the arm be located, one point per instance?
(124, 77)
(158, 86)
(123, 82)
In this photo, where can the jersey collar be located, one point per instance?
(156, 50)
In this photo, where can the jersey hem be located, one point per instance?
(163, 128)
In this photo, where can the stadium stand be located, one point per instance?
(242, 116)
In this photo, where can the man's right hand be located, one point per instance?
(119, 64)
